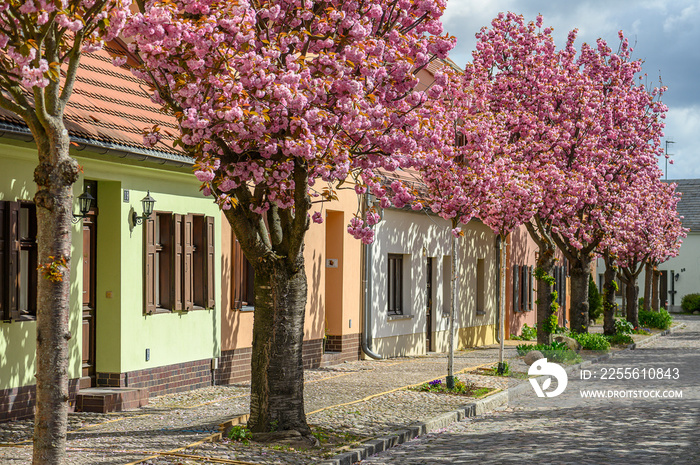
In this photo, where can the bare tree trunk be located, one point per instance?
(630, 275)
(54, 176)
(632, 305)
(545, 281)
(648, 278)
(655, 290)
(580, 276)
(277, 384)
(609, 303)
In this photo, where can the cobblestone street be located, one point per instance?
(570, 429)
(366, 399)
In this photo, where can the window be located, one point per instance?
(480, 286)
(395, 284)
(522, 288)
(18, 260)
(179, 262)
(243, 279)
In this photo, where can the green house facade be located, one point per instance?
(144, 302)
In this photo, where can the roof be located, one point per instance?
(110, 108)
(689, 205)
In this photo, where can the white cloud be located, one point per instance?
(683, 127)
(686, 19)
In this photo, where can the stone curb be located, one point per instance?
(472, 409)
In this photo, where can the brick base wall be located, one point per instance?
(162, 380)
(348, 344)
(18, 403)
(234, 365)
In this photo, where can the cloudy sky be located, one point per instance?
(665, 35)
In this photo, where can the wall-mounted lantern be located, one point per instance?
(84, 203)
(147, 203)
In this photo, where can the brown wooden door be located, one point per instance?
(89, 280)
(429, 305)
(663, 289)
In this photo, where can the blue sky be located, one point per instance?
(665, 35)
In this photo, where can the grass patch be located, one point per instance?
(460, 388)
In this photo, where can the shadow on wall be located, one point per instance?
(521, 252)
(417, 237)
(400, 346)
(19, 357)
(314, 302)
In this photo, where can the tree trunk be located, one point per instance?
(655, 290)
(580, 271)
(54, 176)
(545, 288)
(277, 384)
(648, 278)
(609, 303)
(632, 307)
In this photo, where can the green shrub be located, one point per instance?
(640, 303)
(690, 302)
(620, 339)
(506, 369)
(239, 433)
(623, 327)
(555, 352)
(528, 333)
(595, 301)
(651, 319)
(591, 341)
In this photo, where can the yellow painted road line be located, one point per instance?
(393, 390)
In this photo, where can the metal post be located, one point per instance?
(451, 349)
(502, 307)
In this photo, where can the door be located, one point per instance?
(89, 281)
(663, 289)
(429, 305)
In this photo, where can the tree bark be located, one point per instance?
(648, 278)
(544, 276)
(54, 176)
(580, 270)
(609, 303)
(655, 290)
(631, 296)
(277, 383)
(632, 305)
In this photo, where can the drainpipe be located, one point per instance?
(366, 339)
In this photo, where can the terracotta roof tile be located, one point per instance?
(111, 106)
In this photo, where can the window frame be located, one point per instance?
(242, 279)
(183, 262)
(395, 277)
(12, 246)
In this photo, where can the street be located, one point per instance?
(572, 429)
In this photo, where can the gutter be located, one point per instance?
(366, 339)
(22, 133)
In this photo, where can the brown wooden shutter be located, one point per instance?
(176, 264)
(188, 261)
(531, 287)
(14, 259)
(150, 278)
(525, 288)
(209, 261)
(237, 273)
(4, 245)
(516, 288)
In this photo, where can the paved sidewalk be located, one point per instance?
(358, 400)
